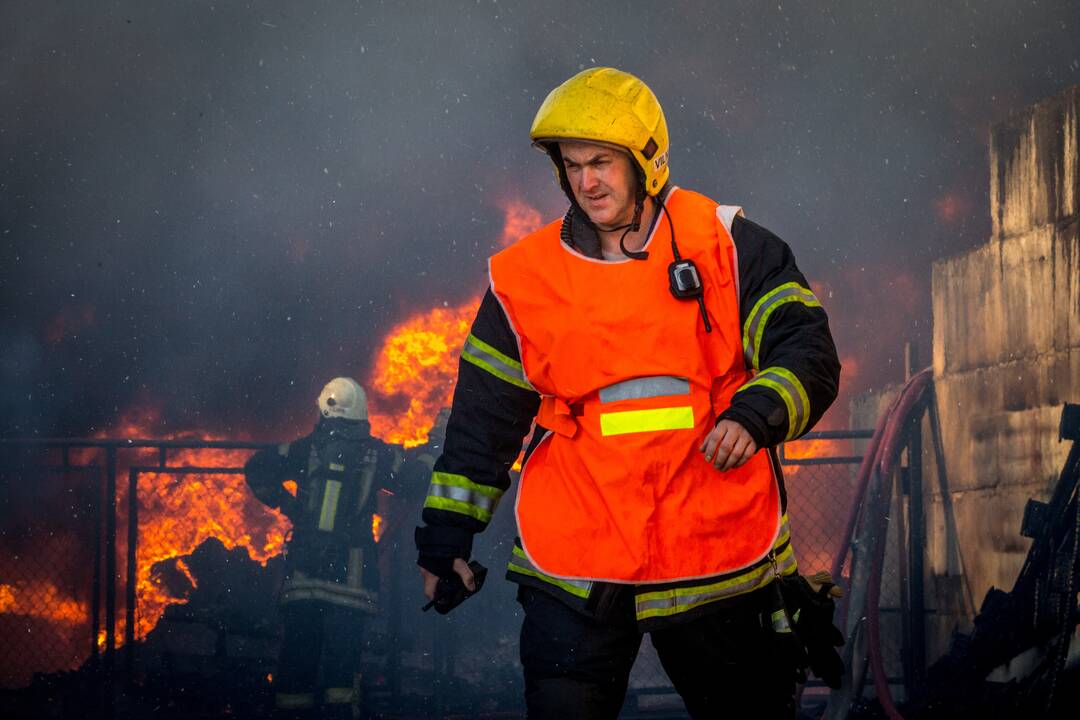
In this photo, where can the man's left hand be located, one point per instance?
(728, 445)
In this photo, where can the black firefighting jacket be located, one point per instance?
(338, 468)
(785, 333)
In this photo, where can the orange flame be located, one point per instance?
(520, 219)
(807, 449)
(415, 371)
(176, 517)
(377, 526)
(42, 600)
(416, 367)
(177, 513)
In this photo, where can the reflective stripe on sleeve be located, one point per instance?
(754, 329)
(459, 494)
(645, 387)
(485, 357)
(784, 383)
(635, 421)
(519, 563)
(665, 603)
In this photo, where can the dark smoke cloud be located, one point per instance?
(214, 207)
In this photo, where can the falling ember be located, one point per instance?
(377, 526)
(415, 371)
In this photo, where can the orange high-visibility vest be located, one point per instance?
(631, 384)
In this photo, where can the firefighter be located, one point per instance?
(664, 345)
(331, 570)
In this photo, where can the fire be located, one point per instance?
(520, 219)
(807, 449)
(804, 449)
(42, 600)
(415, 371)
(177, 513)
(416, 367)
(377, 526)
(175, 517)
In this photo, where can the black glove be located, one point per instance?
(451, 590)
(786, 646)
(812, 611)
(438, 546)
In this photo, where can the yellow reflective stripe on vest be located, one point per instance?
(459, 494)
(635, 421)
(758, 319)
(784, 383)
(485, 357)
(672, 601)
(330, 498)
(519, 563)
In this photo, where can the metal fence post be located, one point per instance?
(917, 539)
(132, 575)
(110, 577)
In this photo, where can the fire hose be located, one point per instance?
(872, 500)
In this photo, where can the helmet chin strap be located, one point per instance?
(634, 226)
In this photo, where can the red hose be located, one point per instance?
(881, 456)
(890, 456)
(861, 483)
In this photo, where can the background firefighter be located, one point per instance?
(332, 573)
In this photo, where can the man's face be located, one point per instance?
(603, 182)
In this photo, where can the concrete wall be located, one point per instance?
(1006, 356)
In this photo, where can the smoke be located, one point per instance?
(213, 208)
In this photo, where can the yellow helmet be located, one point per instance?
(611, 107)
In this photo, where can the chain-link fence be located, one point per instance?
(194, 561)
(50, 548)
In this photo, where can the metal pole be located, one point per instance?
(917, 539)
(129, 594)
(110, 576)
(95, 582)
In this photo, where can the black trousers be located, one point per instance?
(319, 659)
(724, 664)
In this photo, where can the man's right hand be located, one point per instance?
(460, 567)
